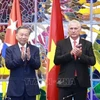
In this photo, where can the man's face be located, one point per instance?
(22, 36)
(74, 30)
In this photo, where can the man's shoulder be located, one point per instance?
(12, 46)
(33, 46)
(86, 41)
(63, 40)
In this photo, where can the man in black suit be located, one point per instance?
(74, 55)
(22, 59)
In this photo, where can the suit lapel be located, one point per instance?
(17, 51)
(69, 44)
(28, 45)
(81, 41)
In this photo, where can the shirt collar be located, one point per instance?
(77, 40)
(21, 45)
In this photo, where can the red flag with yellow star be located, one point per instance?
(14, 22)
(56, 34)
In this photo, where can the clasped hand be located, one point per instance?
(26, 55)
(77, 50)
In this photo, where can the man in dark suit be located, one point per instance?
(74, 55)
(22, 59)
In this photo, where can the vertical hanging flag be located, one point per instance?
(56, 34)
(10, 38)
(14, 22)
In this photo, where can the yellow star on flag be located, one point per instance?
(51, 55)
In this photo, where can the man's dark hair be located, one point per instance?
(23, 27)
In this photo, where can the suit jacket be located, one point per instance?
(22, 73)
(68, 65)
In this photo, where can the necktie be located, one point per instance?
(22, 48)
(75, 57)
(23, 52)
